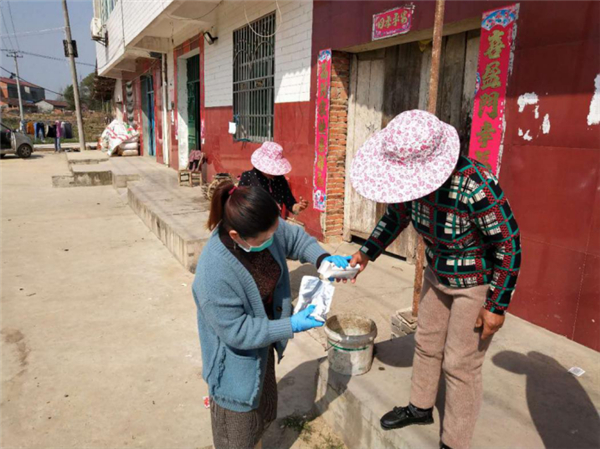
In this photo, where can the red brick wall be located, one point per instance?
(336, 155)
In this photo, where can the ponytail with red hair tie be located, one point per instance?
(233, 189)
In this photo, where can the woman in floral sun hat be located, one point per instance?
(269, 169)
(473, 253)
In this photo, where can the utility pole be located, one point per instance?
(74, 77)
(15, 55)
(434, 78)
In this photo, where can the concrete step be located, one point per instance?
(123, 174)
(96, 170)
(85, 176)
(86, 158)
(176, 217)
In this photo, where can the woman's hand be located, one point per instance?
(359, 258)
(300, 206)
(489, 322)
(302, 321)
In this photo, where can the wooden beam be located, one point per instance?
(431, 107)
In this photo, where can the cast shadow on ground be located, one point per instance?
(302, 382)
(14, 157)
(297, 393)
(562, 411)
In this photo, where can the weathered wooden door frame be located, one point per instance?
(458, 65)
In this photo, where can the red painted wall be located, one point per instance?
(553, 181)
(292, 131)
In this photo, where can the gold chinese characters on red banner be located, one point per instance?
(322, 130)
(498, 29)
(392, 22)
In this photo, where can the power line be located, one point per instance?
(28, 33)
(25, 81)
(7, 29)
(49, 57)
(13, 24)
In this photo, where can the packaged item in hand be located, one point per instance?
(329, 270)
(314, 291)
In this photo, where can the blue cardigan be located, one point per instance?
(235, 332)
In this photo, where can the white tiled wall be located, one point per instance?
(292, 50)
(124, 27)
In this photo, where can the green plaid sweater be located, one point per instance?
(469, 229)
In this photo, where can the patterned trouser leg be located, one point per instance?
(244, 430)
(447, 341)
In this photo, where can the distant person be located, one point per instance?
(269, 169)
(244, 301)
(473, 254)
(57, 137)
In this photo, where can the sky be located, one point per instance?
(42, 15)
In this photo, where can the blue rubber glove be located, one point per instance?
(302, 321)
(339, 261)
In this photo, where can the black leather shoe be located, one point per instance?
(406, 416)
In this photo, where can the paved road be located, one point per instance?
(99, 341)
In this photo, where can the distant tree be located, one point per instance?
(69, 97)
(86, 93)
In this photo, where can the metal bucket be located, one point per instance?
(351, 339)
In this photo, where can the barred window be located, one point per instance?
(254, 79)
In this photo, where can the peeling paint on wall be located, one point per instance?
(520, 132)
(546, 124)
(593, 117)
(537, 111)
(528, 99)
(527, 136)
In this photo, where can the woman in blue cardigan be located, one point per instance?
(244, 301)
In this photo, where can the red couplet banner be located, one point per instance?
(322, 130)
(498, 30)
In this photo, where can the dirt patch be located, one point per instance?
(301, 432)
(16, 337)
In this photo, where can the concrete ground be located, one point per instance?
(99, 344)
(98, 331)
(99, 341)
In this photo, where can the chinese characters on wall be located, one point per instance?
(495, 52)
(322, 130)
(393, 22)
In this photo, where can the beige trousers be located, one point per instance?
(447, 341)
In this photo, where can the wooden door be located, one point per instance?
(364, 119)
(396, 79)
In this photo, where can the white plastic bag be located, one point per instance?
(314, 291)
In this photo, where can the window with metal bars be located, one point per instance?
(254, 80)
